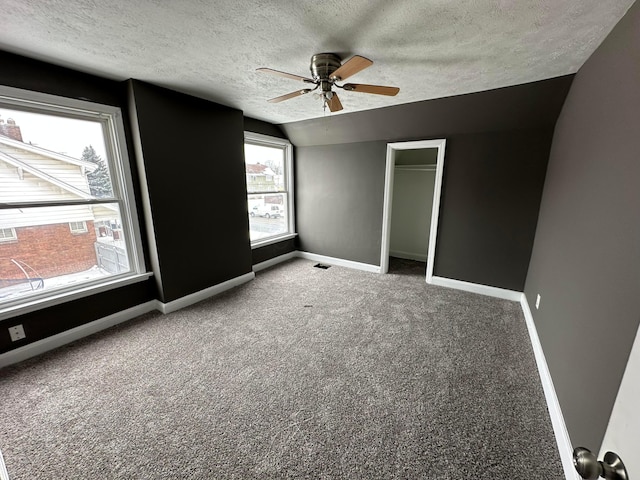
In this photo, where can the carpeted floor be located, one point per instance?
(301, 373)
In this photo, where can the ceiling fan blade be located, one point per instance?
(297, 93)
(352, 66)
(334, 103)
(377, 89)
(284, 74)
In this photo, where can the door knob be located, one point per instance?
(589, 468)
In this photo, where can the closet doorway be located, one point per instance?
(413, 182)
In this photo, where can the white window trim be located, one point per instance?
(269, 141)
(110, 118)
(263, 242)
(13, 236)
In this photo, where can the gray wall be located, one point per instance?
(586, 257)
(489, 206)
(497, 150)
(339, 196)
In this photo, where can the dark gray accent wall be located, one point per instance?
(28, 74)
(586, 257)
(189, 146)
(264, 128)
(194, 162)
(497, 150)
(532, 105)
(47, 322)
(21, 72)
(267, 252)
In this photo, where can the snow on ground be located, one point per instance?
(23, 289)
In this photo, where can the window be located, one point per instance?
(78, 227)
(269, 170)
(8, 235)
(66, 193)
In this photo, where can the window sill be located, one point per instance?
(57, 298)
(272, 240)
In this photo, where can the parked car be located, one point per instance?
(267, 210)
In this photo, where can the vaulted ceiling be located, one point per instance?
(427, 48)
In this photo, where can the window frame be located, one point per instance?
(284, 144)
(12, 238)
(117, 158)
(78, 231)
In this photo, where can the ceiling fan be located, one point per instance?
(326, 70)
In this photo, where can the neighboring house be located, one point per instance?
(43, 242)
(260, 178)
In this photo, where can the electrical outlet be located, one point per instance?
(538, 301)
(16, 332)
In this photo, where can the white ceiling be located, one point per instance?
(211, 48)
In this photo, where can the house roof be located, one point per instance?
(212, 49)
(12, 160)
(4, 140)
(258, 169)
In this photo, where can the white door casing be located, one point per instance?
(388, 197)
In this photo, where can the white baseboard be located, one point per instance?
(418, 257)
(477, 288)
(339, 262)
(565, 448)
(274, 261)
(41, 346)
(204, 294)
(68, 336)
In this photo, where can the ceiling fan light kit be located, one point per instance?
(326, 70)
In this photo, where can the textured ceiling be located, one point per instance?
(428, 48)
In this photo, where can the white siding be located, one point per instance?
(16, 184)
(29, 188)
(65, 172)
(26, 217)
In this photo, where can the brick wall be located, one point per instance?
(51, 250)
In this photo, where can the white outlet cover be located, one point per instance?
(16, 332)
(538, 301)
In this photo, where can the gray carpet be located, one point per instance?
(301, 373)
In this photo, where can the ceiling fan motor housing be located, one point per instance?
(323, 65)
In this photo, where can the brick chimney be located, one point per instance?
(10, 129)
